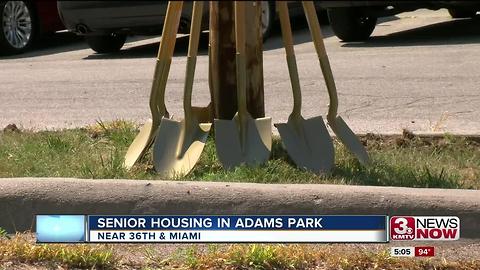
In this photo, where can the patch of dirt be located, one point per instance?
(408, 138)
(11, 128)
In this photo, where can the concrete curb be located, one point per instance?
(22, 198)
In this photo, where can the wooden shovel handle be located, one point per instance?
(162, 66)
(317, 38)
(170, 29)
(195, 30)
(290, 55)
(167, 47)
(164, 58)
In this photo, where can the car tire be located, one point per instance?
(458, 13)
(106, 43)
(322, 16)
(19, 29)
(268, 18)
(351, 24)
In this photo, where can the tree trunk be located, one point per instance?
(222, 77)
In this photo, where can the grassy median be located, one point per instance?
(97, 152)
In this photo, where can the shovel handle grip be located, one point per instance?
(317, 38)
(170, 29)
(195, 28)
(290, 55)
(287, 35)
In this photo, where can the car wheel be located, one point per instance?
(322, 16)
(106, 43)
(461, 13)
(268, 18)
(351, 24)
(17, 27)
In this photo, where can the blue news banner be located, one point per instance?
(211, 229)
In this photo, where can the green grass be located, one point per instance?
(3, 233)
(97, 152)
(21, 249)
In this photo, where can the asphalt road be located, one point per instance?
(418, 71)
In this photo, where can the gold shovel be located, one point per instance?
(242, 140)
(338, 125)
(306, 140)
(145, 137)
(179, 144)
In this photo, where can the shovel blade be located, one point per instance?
(254, 151)
(308, 143)
(140, 144)
(350, 140)
(168, 158)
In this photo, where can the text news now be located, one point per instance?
(211, 229)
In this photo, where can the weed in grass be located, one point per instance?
(57, 144)
(257, 257)
(191, 257)
(119, 132)
(153, 260)
(3, 233)
(107, 165)
(21, 249)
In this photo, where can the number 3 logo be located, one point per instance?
(402, 226)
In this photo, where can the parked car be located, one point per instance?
(106, 24)
(23, 22)
(356, 20)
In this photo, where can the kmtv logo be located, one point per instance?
(424, 228)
